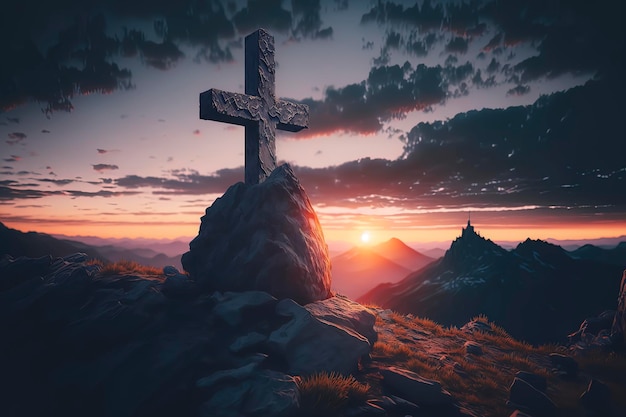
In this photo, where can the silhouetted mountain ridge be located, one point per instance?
(537, 291)
(363, 267)
(33, 244)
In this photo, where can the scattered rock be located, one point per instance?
(594, 332)
(246, 342)
(538, 382)
(179, 285)
(597, 397)
(272, 394)
(414, 388)
(618, 329)
(267, 393)
(403, 405)
(262, 237)
(473, 348)
(346, 313)
(228, 375)
(170, 271)
(232, 306)
(524, 396)
(564, 365)
(310, 344)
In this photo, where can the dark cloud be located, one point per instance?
(15, 138)
(426, 18)
(162, 56)
(56, 182)
(563, 37)
(14, 119)
(493, 66)
(518, 90)
(559, 152)
(13, 158)
(11, 193)
(479, 82)
(268, 14)
(494, 43)
(102, 150)
(80, 55)
(101, 193)
(389, 92)
(308, 23)
(539, 154)
(45, 131)
(456, 75)
(196, 132)
(457, 45)
(184, 182)
(104, 167)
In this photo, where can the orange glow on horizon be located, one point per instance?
(377, 230)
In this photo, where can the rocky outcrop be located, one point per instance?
(262, 237)
(311, 344)
(414, 388)
(84, 343)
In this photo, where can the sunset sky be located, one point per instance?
(420, 112)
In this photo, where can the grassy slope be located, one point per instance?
(478, 382)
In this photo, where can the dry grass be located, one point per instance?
(326, 394)
(392, 350)
(125, 268)
(478, 381)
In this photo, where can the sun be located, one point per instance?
(365, 237)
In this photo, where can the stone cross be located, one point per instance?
(257, 109)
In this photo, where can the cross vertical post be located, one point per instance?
(257, 110)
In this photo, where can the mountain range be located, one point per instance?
(363, 267)
(33, 244)
(538, 291)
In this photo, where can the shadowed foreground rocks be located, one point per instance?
(85, 344)
(262, 237)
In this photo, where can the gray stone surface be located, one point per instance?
(342, 311)
(262, 237)
(231, 306)
(414, 388)
(115, 346)
(537, 381)
(618, 329)
(524, 396)
(597, 397)
(272, 394)
(258, 110)
(309, 344)
(248, 341)
(564, 365)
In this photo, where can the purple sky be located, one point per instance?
(101, 133)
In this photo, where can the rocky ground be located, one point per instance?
(84, 339)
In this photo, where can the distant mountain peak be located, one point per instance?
(470, 247)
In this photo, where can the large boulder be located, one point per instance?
(262, 237)
(618, 330)
(310, 344)
(415, 388)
